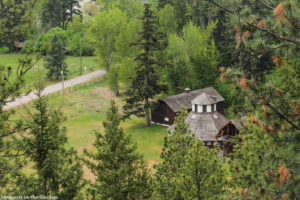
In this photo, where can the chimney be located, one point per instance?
(187, 90)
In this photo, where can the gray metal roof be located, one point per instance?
(204, 99)
(205, 126)
(185, 99)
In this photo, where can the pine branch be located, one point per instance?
(258, 28)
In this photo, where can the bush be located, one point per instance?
(4, 50)
(44, 40)
(28, 45)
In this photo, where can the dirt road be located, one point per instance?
(55, 88)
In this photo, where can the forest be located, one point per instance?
(99, 142)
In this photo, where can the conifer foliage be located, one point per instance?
(119, 169)
(145, 84)
(176, 147)
(58, 171)
(55, 59)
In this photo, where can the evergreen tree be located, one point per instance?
(59, 13)
(145, 84)
(15, 21)
(203, 176)
(58, 171)
(55, 59)
(120, 170)
(10, 148)
(174, 154)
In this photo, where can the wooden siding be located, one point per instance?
(220, 107)
(160, 112)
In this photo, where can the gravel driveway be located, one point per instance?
(55, 88)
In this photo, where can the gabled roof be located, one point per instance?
(205, 126)
(184, 99)
(204, 99)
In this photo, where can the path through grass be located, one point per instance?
(85, 108)
(31, 77)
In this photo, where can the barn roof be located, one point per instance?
(205, 126)
(204, 99)
(184, 99)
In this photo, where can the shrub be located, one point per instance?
(27, 46)
(4, 50)
(44, 40)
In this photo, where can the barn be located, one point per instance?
(205, 118)
(167, 108)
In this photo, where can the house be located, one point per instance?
(167, 108)
(205, 118)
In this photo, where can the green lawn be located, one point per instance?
(85, 107)
(72, 62)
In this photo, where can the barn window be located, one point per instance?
(208, 108)
(208, 143)
(215, 107)
(196, 108)
(193, 107)
(204, 108)
(200, 109)
(166, 119)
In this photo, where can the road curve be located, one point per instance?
(55, 88)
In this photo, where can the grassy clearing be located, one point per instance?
(85, 107)
(72, 62)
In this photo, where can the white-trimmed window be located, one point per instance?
(200, 109)
(166, 119)
(194, 107)
(208, 143)
(215, 107)
(208, 108)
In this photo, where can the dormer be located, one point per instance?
(204, 104)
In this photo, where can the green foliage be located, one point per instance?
(128, 35)
(10, 87)
(103, 32)
(44, 40)
(145, 84)
(55, 59)
(167, 20)
(195, 55)
(120, 171)
(203, 175)
(113, 79)
(28, 46)
(169, 171)
(58, 171)
(77, 41)
(15, 21)
(4, 50)
(127, 70)
(59, 13)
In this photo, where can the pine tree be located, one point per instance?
(15, 21)
(59, 13)
(203, 176)
(120, 170)
(58, 171)
(175, 150)
(55, 59)
(145, 84)
(10, 156)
